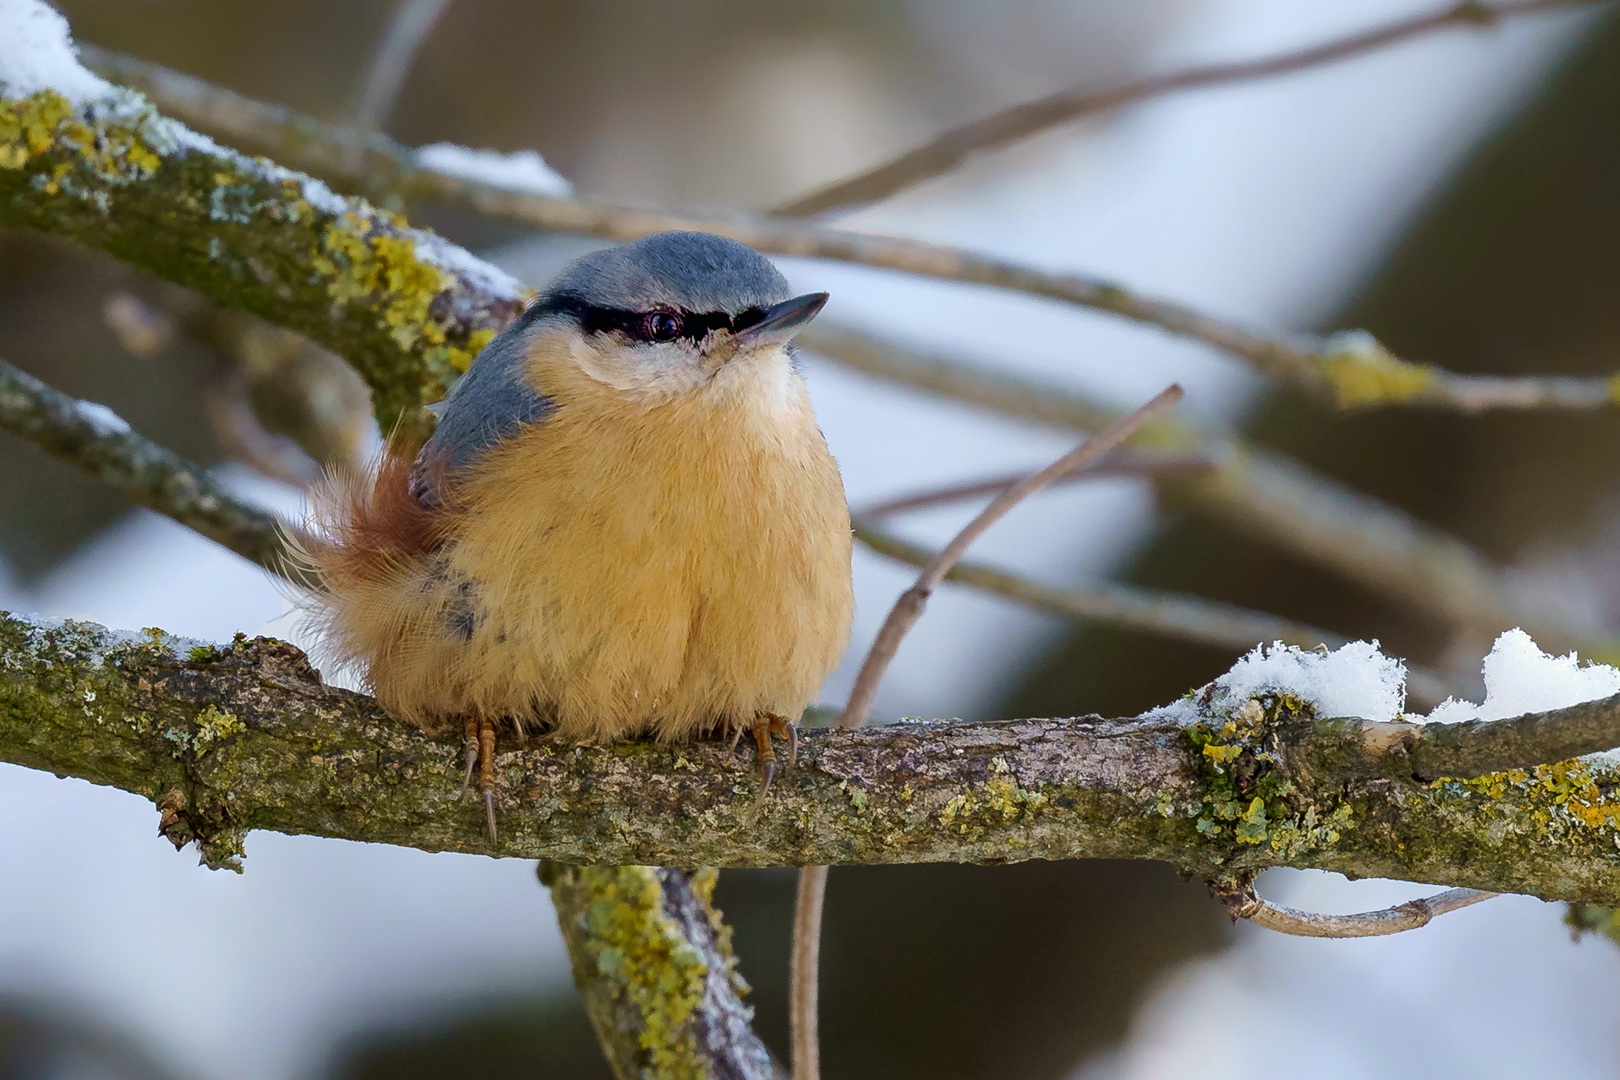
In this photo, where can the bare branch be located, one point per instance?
(1175, 615)
(408, 29)
(1242, 902)
(96, 440)
(953, 148)
(1346, 370)
(1119, 463)
(1480, 746)
(804, 990)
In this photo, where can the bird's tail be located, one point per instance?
(366, 536)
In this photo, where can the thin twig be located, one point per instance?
(1122, 463)
(804, 1011)
(96, 440)
(1242, 902)
(408, 29)
(909, 608)
(956, 146)
(1348, 371)
(1473, 747)
(1272, 499)
(813, 879)
(1175, 615)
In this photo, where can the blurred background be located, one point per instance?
(1453, 195)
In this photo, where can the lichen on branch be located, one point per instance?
(246, 736)
(406, 309)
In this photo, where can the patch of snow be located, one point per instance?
(1353, 680)
(1359, 680)
(109, 638)
(478, 273)
(37, 53)
(100, 418)
(524, 170)
(1520, 678)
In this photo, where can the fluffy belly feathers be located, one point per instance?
(621, 569)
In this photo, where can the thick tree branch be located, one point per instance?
(955, 147)
(246, 737)
(408, 310)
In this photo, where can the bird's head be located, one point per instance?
(670, 312)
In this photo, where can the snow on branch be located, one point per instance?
(99, 165)
(231, 738)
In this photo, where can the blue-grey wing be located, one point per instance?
(491, 402)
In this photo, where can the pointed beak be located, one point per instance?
(782, 321)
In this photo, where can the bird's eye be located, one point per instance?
(662, 326)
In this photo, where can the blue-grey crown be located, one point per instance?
(685, 271)
(718, 283)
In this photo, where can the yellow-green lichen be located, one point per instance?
(362, 261)
(1568, 792)
(998, 801)
(636, 945)
(1246, 799)
(214, 724)
(1362, 372)
(45, 125)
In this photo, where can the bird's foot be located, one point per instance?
(764, 726)
(479, 735)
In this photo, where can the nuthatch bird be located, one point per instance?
(626, 522)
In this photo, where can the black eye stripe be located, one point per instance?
(635, 325)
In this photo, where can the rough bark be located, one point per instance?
(406, 309)
(653, 962)
(246, 736)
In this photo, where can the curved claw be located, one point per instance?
(486, 771)
(470, 736)
(479, 735)
(764, 727)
